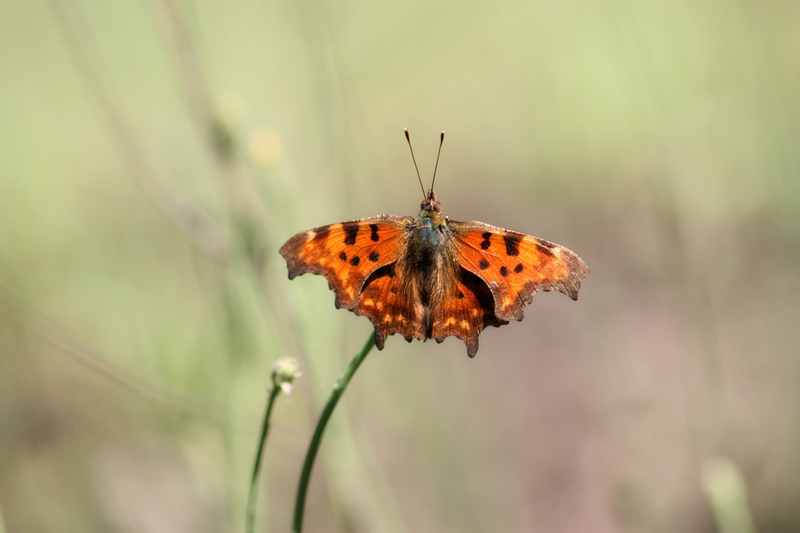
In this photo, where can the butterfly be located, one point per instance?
(430, 277)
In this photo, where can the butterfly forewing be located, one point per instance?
(347, 253)
(515, 265)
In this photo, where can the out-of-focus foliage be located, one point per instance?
(154, 156)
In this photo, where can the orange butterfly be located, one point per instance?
(432, 277)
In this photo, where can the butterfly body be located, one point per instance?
(430, 277)
(426, 260)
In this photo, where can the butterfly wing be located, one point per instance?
(515, 266)
(467, 308)
(347, 253)
(386, 301)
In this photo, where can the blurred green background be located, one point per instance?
(154, 156)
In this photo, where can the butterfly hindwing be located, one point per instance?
(347, 253)
(468, 308)
(385, 301)
(515, 266)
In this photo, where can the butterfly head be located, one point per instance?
(431, 203)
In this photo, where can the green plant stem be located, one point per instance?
(316, 439)
(251, 498)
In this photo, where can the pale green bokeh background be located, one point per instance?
(143, 299)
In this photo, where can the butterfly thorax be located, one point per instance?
(427, 239)
(428, 236)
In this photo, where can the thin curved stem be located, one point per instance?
(316, 439)
(251, 498)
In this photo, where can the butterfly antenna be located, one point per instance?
(441, 141)
(414, 159)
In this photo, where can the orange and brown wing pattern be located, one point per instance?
(391, 309)
(466, 310)
(347, 253)
(515, 266)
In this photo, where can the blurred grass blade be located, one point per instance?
(727, 493)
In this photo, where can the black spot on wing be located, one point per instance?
(350, 230)
(374, 234)
(374, 256)
(503, 271)
(355, 261)
(512, 244)
(343, 256)
(484, 264)
(519, 268)
(486, 242)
